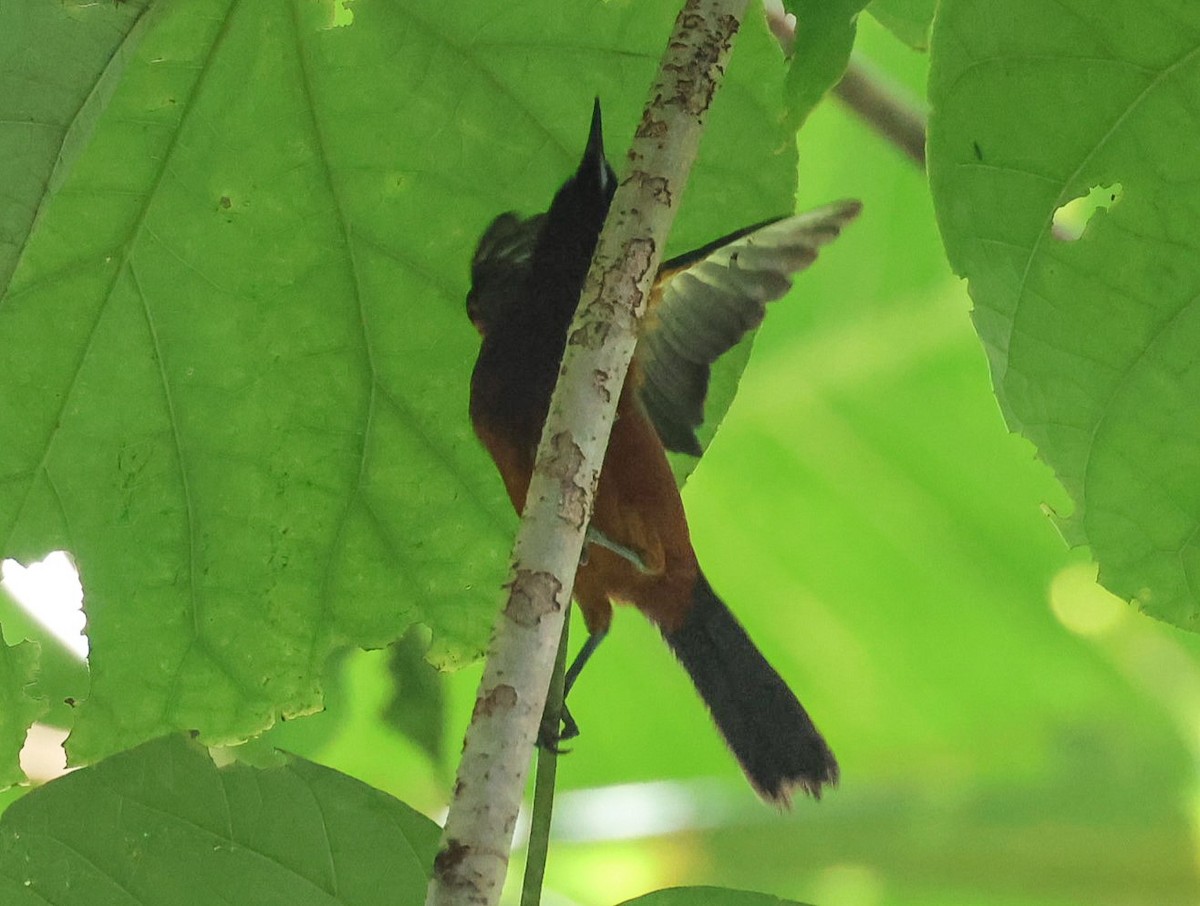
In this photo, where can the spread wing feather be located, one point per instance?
(707, 302)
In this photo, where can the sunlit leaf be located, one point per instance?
(239, 398)
(908, 20)
(58, 64)
(824, 38)
(1092, 342)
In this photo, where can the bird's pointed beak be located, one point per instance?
(595, 144)
(594, 163)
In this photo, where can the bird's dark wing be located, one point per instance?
(501, 266)
(707, 300)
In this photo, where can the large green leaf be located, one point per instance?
(239, 396)
(163, 826)
(1092, 342)
(908, 20)
(58, 64)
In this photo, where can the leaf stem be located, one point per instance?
(538, 850)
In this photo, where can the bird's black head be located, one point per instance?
(526, 280)
(568, 235)
(582, 203)
(532, 269)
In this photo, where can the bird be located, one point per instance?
(527, 274)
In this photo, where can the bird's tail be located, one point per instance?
(767, 729)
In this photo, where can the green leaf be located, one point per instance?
(1092, 343)
(163, 826)
(417, 707)
(908, 20)
(708, 896)
(825, 34)
(18, 707)
(239, 398)
(58, 62)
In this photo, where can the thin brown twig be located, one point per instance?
(894, 116)
(884, 109)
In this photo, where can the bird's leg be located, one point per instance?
(598, 538)
(588, 649)
(550, 737)
(570, 729)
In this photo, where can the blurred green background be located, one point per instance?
(1008, 732)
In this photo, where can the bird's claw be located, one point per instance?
(551, 736)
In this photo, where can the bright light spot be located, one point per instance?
(1072, 218)
(617, 872)
(630, 810)
(849, 885)
(42, 756)
(49, 591)
(1082, 605)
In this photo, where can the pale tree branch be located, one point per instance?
(473, 857)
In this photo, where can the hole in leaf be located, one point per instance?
(1072, 219)
(42, 757)
(340, 14)
(50, 593)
